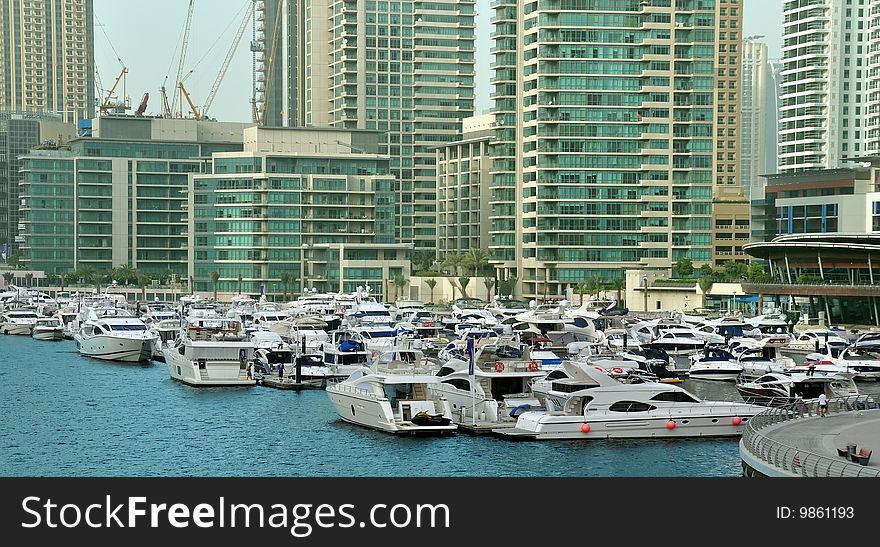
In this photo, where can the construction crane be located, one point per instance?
(166, 109)
(143, 106)
(226, 61)
(192, 107)
(260, 115)
(116, 106)
(185, 42)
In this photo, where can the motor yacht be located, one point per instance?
(115, 336)
(394, 397)
(404, 308)
(18, 321)
(599, 407)
(48, 328)
(270, 351)
(782, 389)
(813, 341)
(503, 308)
(211, 351)
(862, 363)
(714, 363)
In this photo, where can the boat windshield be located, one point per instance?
(380, 334)
(127, 327)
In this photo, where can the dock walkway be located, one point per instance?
(784, 443)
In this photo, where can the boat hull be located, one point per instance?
(16, 328)
(109, 348)
(377, 414)
(48, 334)
(544, 426)
(215, 374)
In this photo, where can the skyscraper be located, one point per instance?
(616, 128)
(46, 57)
(830, 100)
(404, 68)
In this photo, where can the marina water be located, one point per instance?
(67, 415)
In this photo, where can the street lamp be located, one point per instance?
(645, 285)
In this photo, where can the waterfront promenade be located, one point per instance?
(789, 443)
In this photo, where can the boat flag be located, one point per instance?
(470, 351)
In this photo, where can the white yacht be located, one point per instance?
(862, 363)
(48, 328)
(545, 318)
(605, 408)
(266, 319)
(813, 341)
(495, 392)
(403, 308)
(211, 352)
(394, 397)
(761, 355)
(714, 363)
(165, 324)
(782, 389)
(503, 308)
(115, 338)
(18, 321)
(767, 325)
(270, 351)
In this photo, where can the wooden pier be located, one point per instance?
(287, 382)
(483, 427)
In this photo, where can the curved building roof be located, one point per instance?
(831, 245)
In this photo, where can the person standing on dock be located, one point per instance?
(281, 370)
(823, 405)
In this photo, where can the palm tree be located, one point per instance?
(705, 285)
(284, 277)
(594, 285)
(143, 280)
(618, 284)
(215, 278)
(453, 262)
(463, 283)
(85, 272)
(69, 279)
(489, 282)
(399, 283)
(581, 289)
(124, 274)
(508, 286)
(29, 277)
(8, 276)
(14, 260)
(431, 283)
(476, 259)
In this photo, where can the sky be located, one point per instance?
(145, 37)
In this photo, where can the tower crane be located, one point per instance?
(185, 42)
(118, 106)
(216, 86)
(192, 107)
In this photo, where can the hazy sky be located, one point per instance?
(146, 37)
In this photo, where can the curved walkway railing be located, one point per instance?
(797, 460)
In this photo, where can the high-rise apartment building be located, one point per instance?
(46, 57)
(616, 128)
(463, 188)
(829, 99)
(756, 115)
(312, 203)
(403, 68)
(19, 132)
(117, 197)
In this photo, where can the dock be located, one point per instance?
(784, 443)
(287, 382)
(482, 427)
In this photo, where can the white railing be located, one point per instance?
(798, 460)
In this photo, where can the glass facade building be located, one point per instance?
(296, 201)
(613, 135)
(403, 68)
(106, 202)
(46, 57)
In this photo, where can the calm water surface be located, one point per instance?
(66, 415)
